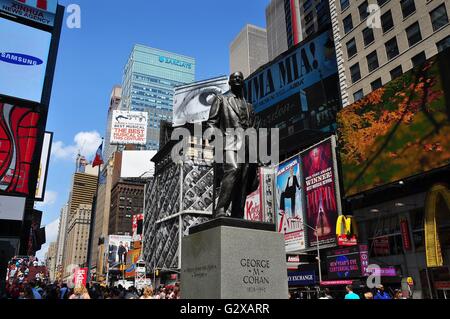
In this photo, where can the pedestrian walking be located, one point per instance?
(148, 293)
(80, 292)
(381, 294)
(350, 294)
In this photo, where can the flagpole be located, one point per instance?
(92, 224)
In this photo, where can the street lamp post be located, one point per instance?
(318, 250)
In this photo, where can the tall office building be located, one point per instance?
(77, 237)
(370, 55)
(148, 85)
(114, 104)
(248, 51)
(283, 26)
(61, 238)
(311, 16)
(50, 260)
(84, 186)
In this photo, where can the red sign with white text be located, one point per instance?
(80, 277)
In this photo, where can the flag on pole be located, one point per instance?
(98, 160)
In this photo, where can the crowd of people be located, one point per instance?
(378, 293)
(25, 269)
(41, 290)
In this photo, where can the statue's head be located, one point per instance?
(236, 80)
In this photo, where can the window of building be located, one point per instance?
(345, 4)
(358, 95)
(443, 44)
(355, 72)
(413, 33)
(310, 30)
(376, 84)
(363, 12)
(392, 48)
(439, 17)
(348, 23)
(351, 48)
(381, 2)
(368, 36)
(408, 7)
(372, 61)
(387, 23)
(419, 59)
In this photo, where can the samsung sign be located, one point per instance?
(19, 59)
(176, 62)
(307, 278)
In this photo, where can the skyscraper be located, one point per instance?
(61, 238)
(248, 51)
(370, 55)
(148, 85)
(114, 104)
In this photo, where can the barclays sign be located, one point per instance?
(176, 62)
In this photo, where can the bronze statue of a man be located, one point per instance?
(231, 111)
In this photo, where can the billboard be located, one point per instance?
(138, 221)
(129, 127)
(193, 102)
(23, 60)
(303, 67)
(348, 263)
(118, 248)
(18, 138)
(320, 191)
(253, 210)
(137, 164)
(12, 208)
(398, 131)
(39, 11)
(290, 204)
(80, 276)
(43, 167)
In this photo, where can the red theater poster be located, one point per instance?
(320, 190)
(18, 137)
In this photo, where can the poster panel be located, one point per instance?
(80, 277)
(253, 210)
(118, 248)
(129, 127)
(138, 221)
(39, 11)
(320, 190)
(18, 138)
(290, 204)
(193, 102)
(23, 60)
(43, 167)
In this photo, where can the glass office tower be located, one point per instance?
(150, 77)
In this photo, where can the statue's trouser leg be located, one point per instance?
(231, 172)
(240, 195)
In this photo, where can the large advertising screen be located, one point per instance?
(398, 131)
(320, 190)
(118, 248)
(348, 263)
(43, 166)
(310, 63)
(290, 203)
(193, 102)
(23, 60)
(12, 208)
(129, 127)
(18, 138)
(39, 11)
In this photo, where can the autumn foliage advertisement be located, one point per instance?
(398, 131)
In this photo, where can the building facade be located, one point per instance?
(50, 260)
(127, 200)
(312, 16)
(372, 49)
(248, 51)
(114, 105)
(149, 79)
(77, 238)
(61, 240)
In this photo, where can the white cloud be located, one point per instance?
(51, 235)
(49, 200)
(86, 143)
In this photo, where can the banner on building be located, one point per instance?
(138, 222)
(43, 167)
(290, 204)
(39, 11)
(23, 60)
(320, 190)
(129, 128)
(118, 248)
(18, 138)
(193, 102)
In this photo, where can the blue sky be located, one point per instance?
(91, 60)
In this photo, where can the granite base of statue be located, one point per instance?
(233, 259)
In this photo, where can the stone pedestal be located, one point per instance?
(233, 259)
